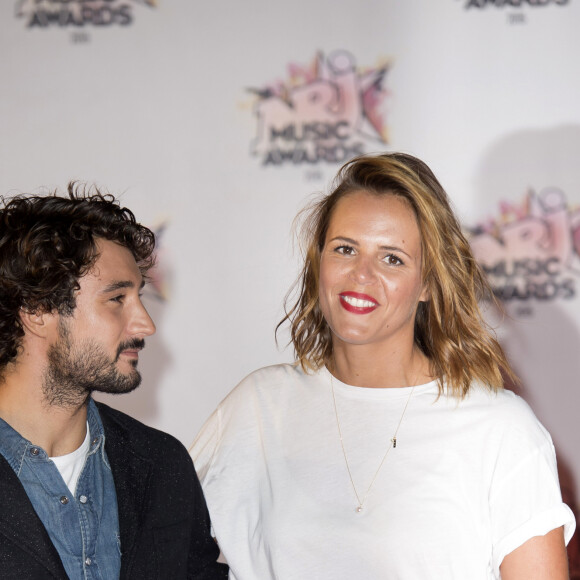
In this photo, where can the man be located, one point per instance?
(86, 491)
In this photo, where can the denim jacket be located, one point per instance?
(84, 528)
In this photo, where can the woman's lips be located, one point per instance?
(357, 303)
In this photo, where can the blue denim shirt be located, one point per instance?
(83, 528)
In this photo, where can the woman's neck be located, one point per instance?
(372, 367)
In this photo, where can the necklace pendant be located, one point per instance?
(359, 508)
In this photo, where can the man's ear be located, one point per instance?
(40, 324)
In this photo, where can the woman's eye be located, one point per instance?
(346, 250)
(393, 260)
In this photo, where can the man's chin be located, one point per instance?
(126, 363)
(130, 382)
(124, 383)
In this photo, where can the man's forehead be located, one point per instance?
(114, 268)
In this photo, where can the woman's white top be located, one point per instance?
(468, 481)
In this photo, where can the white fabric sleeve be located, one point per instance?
(525, 498)
(204, 446)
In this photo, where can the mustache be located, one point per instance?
(134, 343)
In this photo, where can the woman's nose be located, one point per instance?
(363, 270)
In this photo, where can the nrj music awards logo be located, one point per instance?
(328, 111)
(77, 13)
(512, 3)
(532, 252)
(159, 277)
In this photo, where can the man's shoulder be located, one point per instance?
(122, 429)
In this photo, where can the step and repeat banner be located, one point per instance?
(215, 123)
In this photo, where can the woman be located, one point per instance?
(389, 450)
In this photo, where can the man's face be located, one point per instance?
(97, 347)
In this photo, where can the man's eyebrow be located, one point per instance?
(120, 285)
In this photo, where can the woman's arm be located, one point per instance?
(540, 558)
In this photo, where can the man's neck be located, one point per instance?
(58, 430)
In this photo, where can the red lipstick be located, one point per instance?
(357, 303)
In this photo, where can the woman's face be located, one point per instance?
(370, 271)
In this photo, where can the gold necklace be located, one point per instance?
(392, 444)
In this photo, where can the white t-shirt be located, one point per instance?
(468, 482)
(71, 465)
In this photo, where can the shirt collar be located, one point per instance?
(14, 447)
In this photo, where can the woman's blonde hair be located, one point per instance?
(449, 327)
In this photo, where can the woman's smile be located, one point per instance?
(357, 303)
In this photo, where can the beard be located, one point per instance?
(76, 370)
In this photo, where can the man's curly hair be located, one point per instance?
(47, 243)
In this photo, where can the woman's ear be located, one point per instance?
(425, 295)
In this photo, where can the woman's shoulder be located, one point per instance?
(273, 380)
(507, 412)
(272, 376)
(278, 373)
(501, 400)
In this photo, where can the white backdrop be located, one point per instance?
(172, 104)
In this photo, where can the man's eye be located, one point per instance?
(118, 298)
